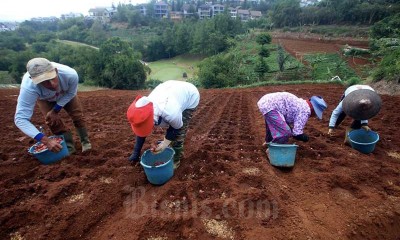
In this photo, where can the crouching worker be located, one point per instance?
(361, 103)
(171, 104)
(286, 115)
(54, 87)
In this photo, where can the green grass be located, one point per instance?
(75, 44)
(173, 69)
(88, 88)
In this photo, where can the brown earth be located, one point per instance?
(300, 44)
(224, 189)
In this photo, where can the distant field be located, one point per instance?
(72, 43)
(174, 68)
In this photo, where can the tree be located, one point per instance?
(282, 58)
(119, 66)
(97, 35)
(263, 38)
(286, 13)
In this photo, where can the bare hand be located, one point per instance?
(366, 128)
(51, 144)
(331, 132)
(52, 118)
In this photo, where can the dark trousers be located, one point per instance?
(74, 110)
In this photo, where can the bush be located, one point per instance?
(389, 68)
(152, 83)
(352, 81)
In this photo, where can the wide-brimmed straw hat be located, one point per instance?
(362, 104)
(140, 116)
(40, 69)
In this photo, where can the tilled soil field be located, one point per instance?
(299, 45)
(225, 187)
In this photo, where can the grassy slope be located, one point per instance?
(174, 68)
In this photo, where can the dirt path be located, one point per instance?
(224, 189)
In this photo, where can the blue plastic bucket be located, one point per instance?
(282, 155)
(363, 141)
(158, 167)
(46, 156)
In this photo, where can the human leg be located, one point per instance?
(57, 128)
(177, 144)
(74, 110)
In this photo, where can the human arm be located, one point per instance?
(24, 111)
(337, 116)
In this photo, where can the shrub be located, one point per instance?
(389, 68)
(152, 83)
(352, 81)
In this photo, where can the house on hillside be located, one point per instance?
(161, 10)
(102, 13)
(188, 10)
(71, 15)
(142, 9)
(204, 11)
(233, 12)
(255, 15)
(44, 19)
(8, 26)
(217, 9)
(175, 16)
(243, 14)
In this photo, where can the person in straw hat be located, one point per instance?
(286, 115)
(361, 103)
(53, 87)
(171, 104)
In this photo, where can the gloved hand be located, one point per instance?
(366, 128)
(302, 137)
(162, 145)
(330, 132)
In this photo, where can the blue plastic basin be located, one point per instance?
(282, 155)
(47, 156)
(157, 173)
(363, 141)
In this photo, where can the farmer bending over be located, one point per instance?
(54, 87)
(286, 115)
(171, 104)
(361, 103)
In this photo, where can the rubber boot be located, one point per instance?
(177, 156)
(69, 140)
(83, 136)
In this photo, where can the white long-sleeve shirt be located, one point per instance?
(170, 99)
(339, 108)
(30, 93)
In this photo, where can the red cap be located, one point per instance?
(141, 118)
